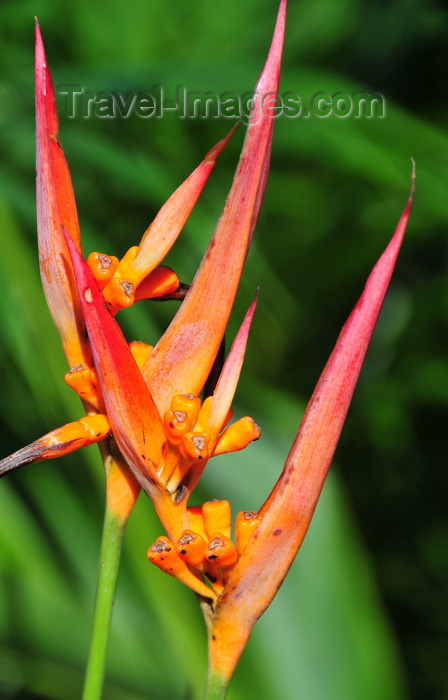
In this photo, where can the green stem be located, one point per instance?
(112, 538)
(216, 687)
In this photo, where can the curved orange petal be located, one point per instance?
(183, 358)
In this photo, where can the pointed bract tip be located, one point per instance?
(39, 44)
(407, 210)
(414, 177)
(219, 147)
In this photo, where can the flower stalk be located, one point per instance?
(111, 545)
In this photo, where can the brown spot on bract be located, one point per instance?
(277, 532)
(88, 295)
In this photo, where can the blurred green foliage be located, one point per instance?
(363, 613)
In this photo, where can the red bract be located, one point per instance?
(287, 513)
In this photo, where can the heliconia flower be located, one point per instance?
(132, 391)
(143, 403)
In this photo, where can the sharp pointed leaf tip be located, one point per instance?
(228, 380)
(214, 152)
(183, 358)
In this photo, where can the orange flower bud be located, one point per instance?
(217, 517)
(103, 267)
(181, 418)
(175, 426)
(237, 436)
(140, 352)
(189, 404)
(204, 413)
(164, 555)
(161, 281)
(221, 552)
(85, 382)
(196, 520)
(191, 547)
(127, 260)
(194, 447)
(119, 294)
(245, 525)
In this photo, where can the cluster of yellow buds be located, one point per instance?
(204, 556)
(123, 282)
(191, 440)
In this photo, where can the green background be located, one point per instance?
(363, 612)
